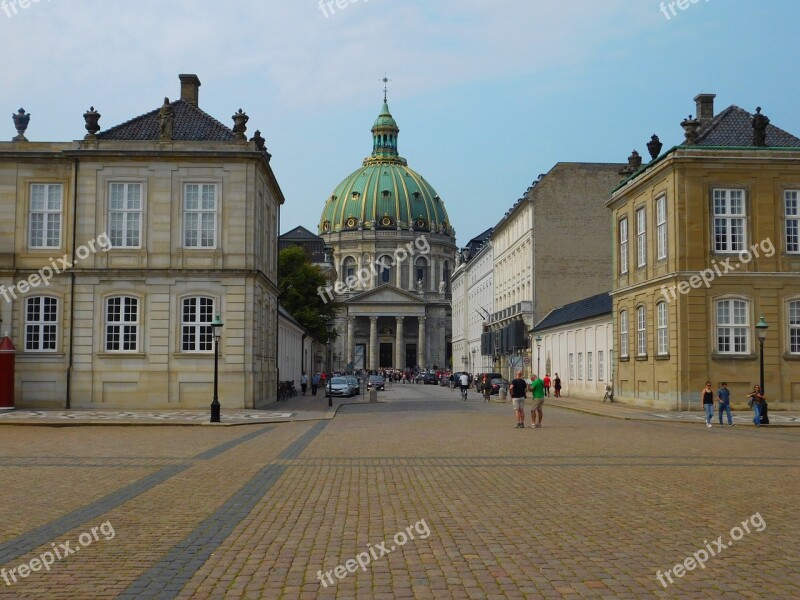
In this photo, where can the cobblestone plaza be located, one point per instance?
(436, 497)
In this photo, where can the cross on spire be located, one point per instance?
(385, 80)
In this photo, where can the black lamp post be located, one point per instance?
(538, 339)
(761, 332)
(330, 325)
(216, 327)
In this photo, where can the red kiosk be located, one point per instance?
(7, 360)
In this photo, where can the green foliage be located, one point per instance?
(299, 281)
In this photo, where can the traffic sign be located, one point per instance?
(527, 360)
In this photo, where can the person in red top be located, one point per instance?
(546, 384)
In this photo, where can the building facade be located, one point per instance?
(393, 249)
(298, 351)
(706, 243)
(161, 223)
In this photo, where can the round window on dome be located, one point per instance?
(326, 226)
(351, 222)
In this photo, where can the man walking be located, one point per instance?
(724, 399)
(557, 384)
(537, 387)
(464, 382)
(314, 383)
(546, 384)
(518, 387)
(303, 382)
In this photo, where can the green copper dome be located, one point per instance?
(384, 193)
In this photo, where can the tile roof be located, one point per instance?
(594, 306)
(191, 124)
(733, 127)
(300, 233)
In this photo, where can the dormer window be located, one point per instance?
(355, 195)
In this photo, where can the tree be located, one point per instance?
(299, 282)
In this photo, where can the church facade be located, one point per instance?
(393, 249)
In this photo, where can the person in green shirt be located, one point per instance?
(537, 387)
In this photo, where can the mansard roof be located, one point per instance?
(190, 124)
(594, 306)
(733, 127)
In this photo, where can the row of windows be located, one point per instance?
(121, 324)
(125, 209)
(729, 226)
(601, 366)
(732, 329)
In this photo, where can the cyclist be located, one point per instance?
(464, 381)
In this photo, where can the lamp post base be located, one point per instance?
(215, 412)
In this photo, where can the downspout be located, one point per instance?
(72, 285)
(302, 353)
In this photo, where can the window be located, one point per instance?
(661, 228)
(125, 215)
(196, 316)
(729, 220)
(41, 324)
(580, 365)
(421, 272)
(794, 327)
(623, 333)
(641, 332)
(122, 324)
(45, 215)
(349, 269)
(792, 221)
(623, 246)
(200, 215)
(385, 264)
(571, 366)
(641, 238)
(589, 366)
(662, 335)
(601, 366)
(732, 327)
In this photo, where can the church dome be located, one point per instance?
(384, 193)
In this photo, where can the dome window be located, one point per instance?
(386, 193)
(326, 226)
(351, 222)
(356, 195)
(386, 220)
(416, 195)
(420, 223)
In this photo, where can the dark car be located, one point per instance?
(497, 383)
(479, 378)
(376, 382)
(429, 378)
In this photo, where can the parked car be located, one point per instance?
(355, 383)
(479, 378)
(497, 383)
(429, 378)
(377, 382)
(339, 386)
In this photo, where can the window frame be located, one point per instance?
(123, 326)
(42, 324)
(793, 327)
(728, 217)
(791, 220)
(661, 228)
(126, 212)
(200, 211)
(745, 327)
(571, 366)
(624, 340)
(47, 215)
(662, 328)
(641, 237)
(197, 324)
(623, 246)
(641, 331)
(601, 365)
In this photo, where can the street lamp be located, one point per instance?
(216, 330)
(761, 332)
(472, 364)
(538, 339)
(330, 325)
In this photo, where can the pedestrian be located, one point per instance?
(537, 390)
(756, 401)
(557, 385)
(486, 388)
(314, 383)
(547, 382)
(724, 400)
(452, 381)
(707, 395)
(518, 388)
(464, 382)
(303, 382)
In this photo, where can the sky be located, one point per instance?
(488, 94)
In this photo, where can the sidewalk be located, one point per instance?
(617, 410)
(298, 408)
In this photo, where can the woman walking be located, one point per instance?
(707, 395)
(756, 401)
(557, 385)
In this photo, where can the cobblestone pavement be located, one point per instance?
(437, 498)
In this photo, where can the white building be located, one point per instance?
(298, 351)
(576, 341)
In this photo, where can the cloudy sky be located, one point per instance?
(488, 94)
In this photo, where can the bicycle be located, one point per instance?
(283, 391)
(609, 395)
(464, 389)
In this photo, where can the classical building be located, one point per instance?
(473, 302)
(576, 341)
(551, 248)
(706, 244)
(394, 251)
(118, 250)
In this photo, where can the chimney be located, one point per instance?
(190, 88)
(705, 108)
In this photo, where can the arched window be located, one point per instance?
(421, 272)
(196, 315)
(41, 324)
(348, 268)
(733, 326)
(385, 265)
(623, 333)
(122, 324)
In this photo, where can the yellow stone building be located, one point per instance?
(705, 243)
(117, 251)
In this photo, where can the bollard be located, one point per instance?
(373, 395)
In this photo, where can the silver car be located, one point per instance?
(339, 386)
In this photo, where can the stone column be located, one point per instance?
(373, 344)
(442, 350)
(421, 343)
(351, 340)
(399, 346)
